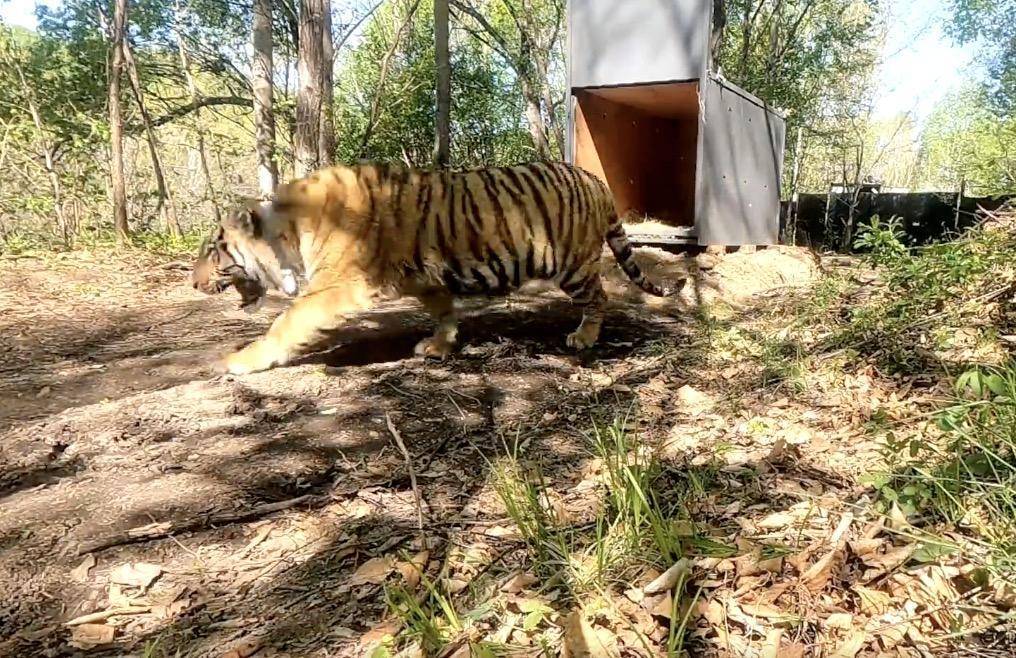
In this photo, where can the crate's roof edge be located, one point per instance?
(721, 81)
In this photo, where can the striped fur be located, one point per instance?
(357, 233)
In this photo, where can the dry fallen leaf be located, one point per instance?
(136, 574)
(771, 648)
(849, 648)
(412, 570)
(374, 572)
(581, 641)
(872, 601)
(518, 583)
(80, 572)
(243, 649)
(87, 636)
(669, 578)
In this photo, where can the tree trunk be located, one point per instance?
(442, 141)
(117, 184)
(551, 125)
(326, 129)
(47, 154)
(716, 35)
(264, 121)
(746, 29)
(192, 90)
(535, 119)
(167, 207)
(306, 143)
(794, 182)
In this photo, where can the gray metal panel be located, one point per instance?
(619, 42)
(740, 164)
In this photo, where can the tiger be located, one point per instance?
(344, 237)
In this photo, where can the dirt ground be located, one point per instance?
(198, 515)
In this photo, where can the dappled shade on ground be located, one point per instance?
(116, 433)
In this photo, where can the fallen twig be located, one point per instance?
(412, 475)
(170, 320)
(106, 614)
(167, 528)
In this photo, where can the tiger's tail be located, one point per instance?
(618, 242)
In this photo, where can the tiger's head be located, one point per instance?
(250, 253)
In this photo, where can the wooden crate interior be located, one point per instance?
(642, 141)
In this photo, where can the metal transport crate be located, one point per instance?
(674, 142)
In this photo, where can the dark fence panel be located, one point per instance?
(927, 216)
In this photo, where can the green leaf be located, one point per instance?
(970, 380)
(997, 385)
(932, 552)
(532, 620)
(381, 651)
(532, 605)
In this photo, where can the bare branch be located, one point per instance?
(375, 107)
(204, 101)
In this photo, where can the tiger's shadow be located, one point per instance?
(529, 326)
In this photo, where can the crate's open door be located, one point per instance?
(739, 168)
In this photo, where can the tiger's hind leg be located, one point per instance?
(589, 294)
(441, 306)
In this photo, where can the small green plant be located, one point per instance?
(968, 478)
(527, 504)
(634, 510)
(429, 619)
(882, 242)
(922, 291)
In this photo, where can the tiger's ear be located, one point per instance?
(246, 220)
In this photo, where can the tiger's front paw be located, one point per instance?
(248, 360)
(579, 340)
(433, 348)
